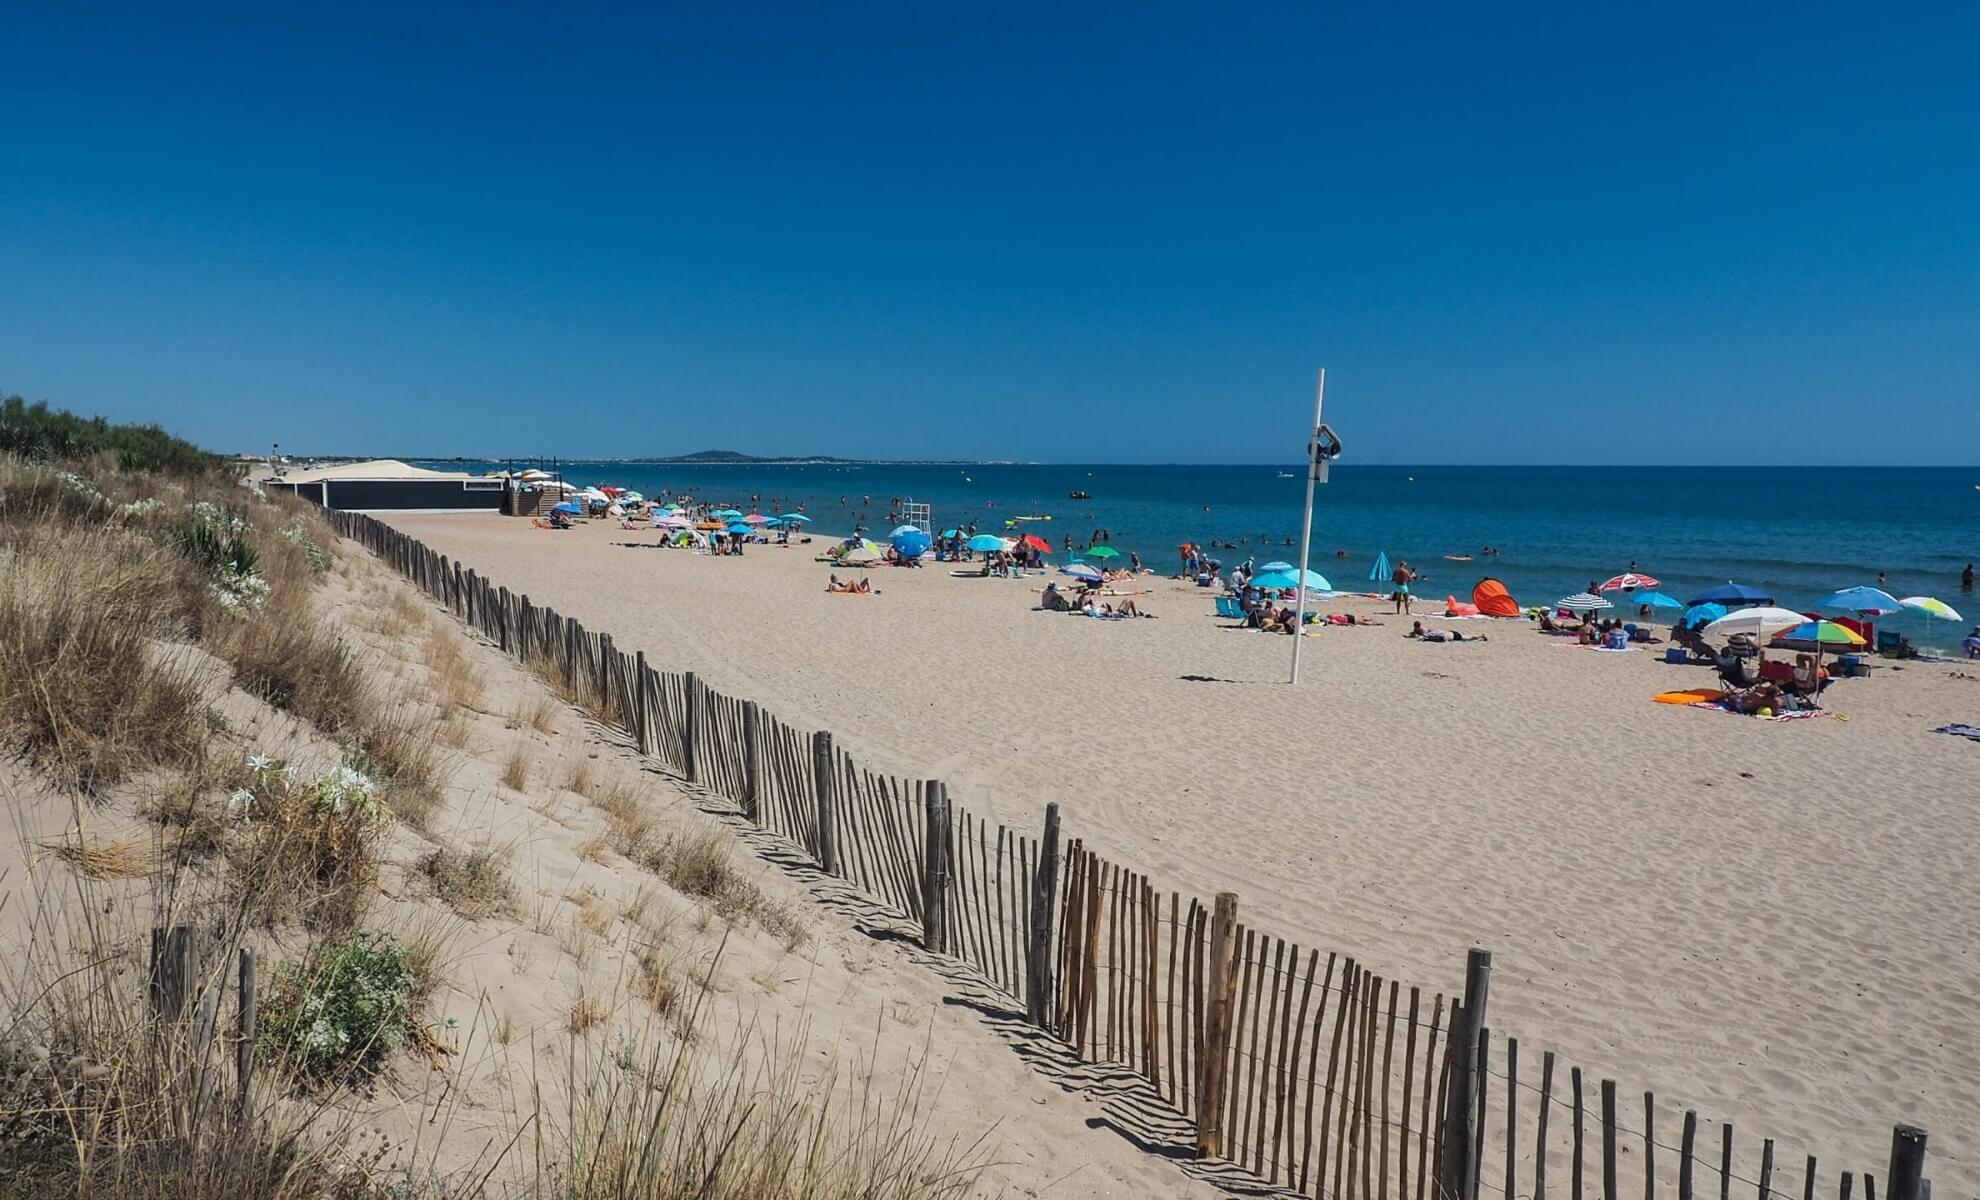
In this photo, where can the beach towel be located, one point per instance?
(1691, 696)
(1720, 706)
(1966, 731)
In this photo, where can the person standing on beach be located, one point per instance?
(1401, 578)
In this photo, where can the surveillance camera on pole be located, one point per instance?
(1321, 449)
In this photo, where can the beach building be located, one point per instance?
(388, 485)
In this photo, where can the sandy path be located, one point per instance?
(1766, 921)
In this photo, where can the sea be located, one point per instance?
(1798, 533)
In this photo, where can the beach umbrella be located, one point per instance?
(1628, 581)
(568, 506)
(795, 519)
(1081, 571)
(1278, 566)
(1659, 600)
(1102, 552)
(1037, 543)
(739, 527)
(1732, 595)
(772, 522)
(911, 542)
(1704, 614)
(898, 530)
(755, 518)
(1381, 570)
(1932, 607)
(726, 512)
(1759, 622)
(985, 542)
(1864, 601)
(674, 521)
(1823, 634)
(1582, 602)
(1279, 581)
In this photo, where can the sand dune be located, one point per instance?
(1765, 921)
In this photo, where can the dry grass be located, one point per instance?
(515, 769)
(631, 825)
(587, 1011)
(124, 859)
(474, 883)
(654, 1118)
(539, 713)
(457, 683)
(596, 849)
(577, 777)
(88, 693)
(700, 865)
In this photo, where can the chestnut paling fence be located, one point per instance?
(1299, 1065)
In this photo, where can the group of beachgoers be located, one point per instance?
(1088, 600)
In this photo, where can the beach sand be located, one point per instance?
(1768, 922)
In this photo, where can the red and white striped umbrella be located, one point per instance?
(1629, 581)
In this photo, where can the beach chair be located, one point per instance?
(1889, 645)
(1227, 606)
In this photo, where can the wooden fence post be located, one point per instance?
(1459, 1179)
(1212, 1091)
(1044, 891)
(690, 725)
(605, 653)
(935, 868)
(752, 733)
(502, 617)
(244, 1041)
(639, 699)
(828, 813)
(1905, 1178)
(528, 613)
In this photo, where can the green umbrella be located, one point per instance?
(1102, 552)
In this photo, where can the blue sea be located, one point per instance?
(1796, 532)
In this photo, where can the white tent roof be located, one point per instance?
(377, 468)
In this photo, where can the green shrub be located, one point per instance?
(343, 1009)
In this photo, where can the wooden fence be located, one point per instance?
(1299, 1065)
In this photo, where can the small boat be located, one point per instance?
(1287, 475)
(1078, 496)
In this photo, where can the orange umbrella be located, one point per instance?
(1037, 543)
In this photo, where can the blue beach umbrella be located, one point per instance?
(726, 512)
(1657, 600)
(911, 542)
(898, 530)
(986, 541)
(1732, 595)
(1867, 601)
(1081, 571)
(1278, 566)
(772, 522)
(1278, 581)
(794, 518)
(1381, 570)
(739, 527)
(568, 506)
(1705, 613)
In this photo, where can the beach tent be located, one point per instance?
(1493, 600)
(910, 542)
(1454, 607)
(1732, 595)
(1279, 581)
(1381, 570)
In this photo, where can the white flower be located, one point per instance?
(240, 803)
(260, 762)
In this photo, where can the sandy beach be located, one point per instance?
(1763, 921)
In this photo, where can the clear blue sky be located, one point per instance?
(1522, 233)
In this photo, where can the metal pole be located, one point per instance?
(1314, 465)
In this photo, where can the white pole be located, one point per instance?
(1313, 467)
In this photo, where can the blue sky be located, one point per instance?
(1127, 233)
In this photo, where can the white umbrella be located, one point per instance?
(1582, 602)
(1758, 622)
